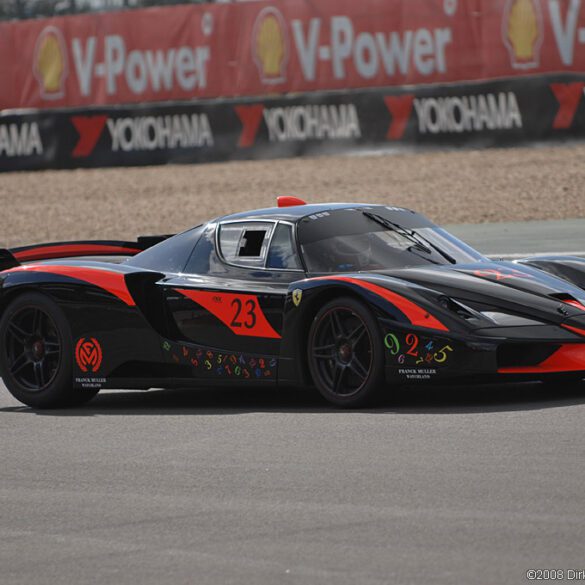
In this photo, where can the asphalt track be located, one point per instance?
(453, 486)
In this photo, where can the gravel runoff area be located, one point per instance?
(457, 186)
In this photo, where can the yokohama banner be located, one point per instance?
(186, 53)
(489, 113)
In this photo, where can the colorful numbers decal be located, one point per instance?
(442, 355)
(216, 364)
(412, 342)
(410, 348)
(392, 343)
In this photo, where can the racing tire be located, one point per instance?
(36, 354)
(346, 353)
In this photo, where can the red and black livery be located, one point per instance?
(351, 298)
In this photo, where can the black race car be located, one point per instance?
(353, 299)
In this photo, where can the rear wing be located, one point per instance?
(54, 250)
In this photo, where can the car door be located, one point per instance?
(231, 295)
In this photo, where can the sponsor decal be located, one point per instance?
(564, 20)
(143, 133)
(417, 373)
(369, 54)
(160, 132)
(90, 382)
(253, 48)
(17, 140)
(297, 296)
(400, 108)
(474, 113)
(140, 71)
(453, 114)
(270, 46)
(299, 123)
(412, 349)
(569, 97)
(522, 32)
(312, 122)
(90, 129)
(51, 66)
(250, 117)
(88, 354)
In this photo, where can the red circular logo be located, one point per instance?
(88, 354)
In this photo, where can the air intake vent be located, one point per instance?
(524, 354)
(568, 299)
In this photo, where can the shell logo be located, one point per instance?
(270, 45)
(50, 63)
(522, 31)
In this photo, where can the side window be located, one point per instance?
(282, 253)
(245, 244)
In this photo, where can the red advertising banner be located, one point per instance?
(283, 46)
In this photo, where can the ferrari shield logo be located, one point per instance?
(297, 296)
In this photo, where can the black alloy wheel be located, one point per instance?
(33, 348)
(345, 353)
(36, 354)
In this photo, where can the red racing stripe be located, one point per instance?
(241, 313)
(574, 329)
(568, 358)
(417, 315)
(71, 250)
(113, 282)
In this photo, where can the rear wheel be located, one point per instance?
(36, 354)
(345, 353)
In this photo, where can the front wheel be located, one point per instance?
(345, 353)
(36, 354)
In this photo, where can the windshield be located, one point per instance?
(377, 238)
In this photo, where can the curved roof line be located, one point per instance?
(298, 212)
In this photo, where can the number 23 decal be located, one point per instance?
(244, 313)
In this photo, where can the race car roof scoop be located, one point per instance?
(288, 201)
